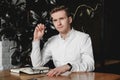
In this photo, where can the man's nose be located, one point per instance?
(58, 22)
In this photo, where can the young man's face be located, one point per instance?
(61, 21)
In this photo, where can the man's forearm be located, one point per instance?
(85, 65)
(35, 54)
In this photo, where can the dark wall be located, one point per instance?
(111, 29)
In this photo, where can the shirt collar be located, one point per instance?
(68, 34)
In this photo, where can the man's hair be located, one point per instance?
(59, 8)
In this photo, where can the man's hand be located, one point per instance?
(39, 32)
(58, 70)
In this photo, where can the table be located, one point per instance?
(7, 75)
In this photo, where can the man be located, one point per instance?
(70, 50)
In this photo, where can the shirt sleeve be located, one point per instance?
(87, 62)
(39, 57)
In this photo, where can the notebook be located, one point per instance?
(30, 70)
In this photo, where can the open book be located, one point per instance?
(30, 70)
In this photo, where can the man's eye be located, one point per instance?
(54, 20)
(62, 18)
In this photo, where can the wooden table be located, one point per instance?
(7, 75)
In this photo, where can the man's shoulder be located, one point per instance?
(53, 38)
(80, 33)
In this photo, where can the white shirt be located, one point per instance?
(76, 49)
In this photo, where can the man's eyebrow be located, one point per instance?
(54, 19)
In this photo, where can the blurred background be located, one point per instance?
(18, 19)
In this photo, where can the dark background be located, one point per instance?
(110, 49)
(111, 29)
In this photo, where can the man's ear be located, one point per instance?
(70, 19)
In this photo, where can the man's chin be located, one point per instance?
(60, 30)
